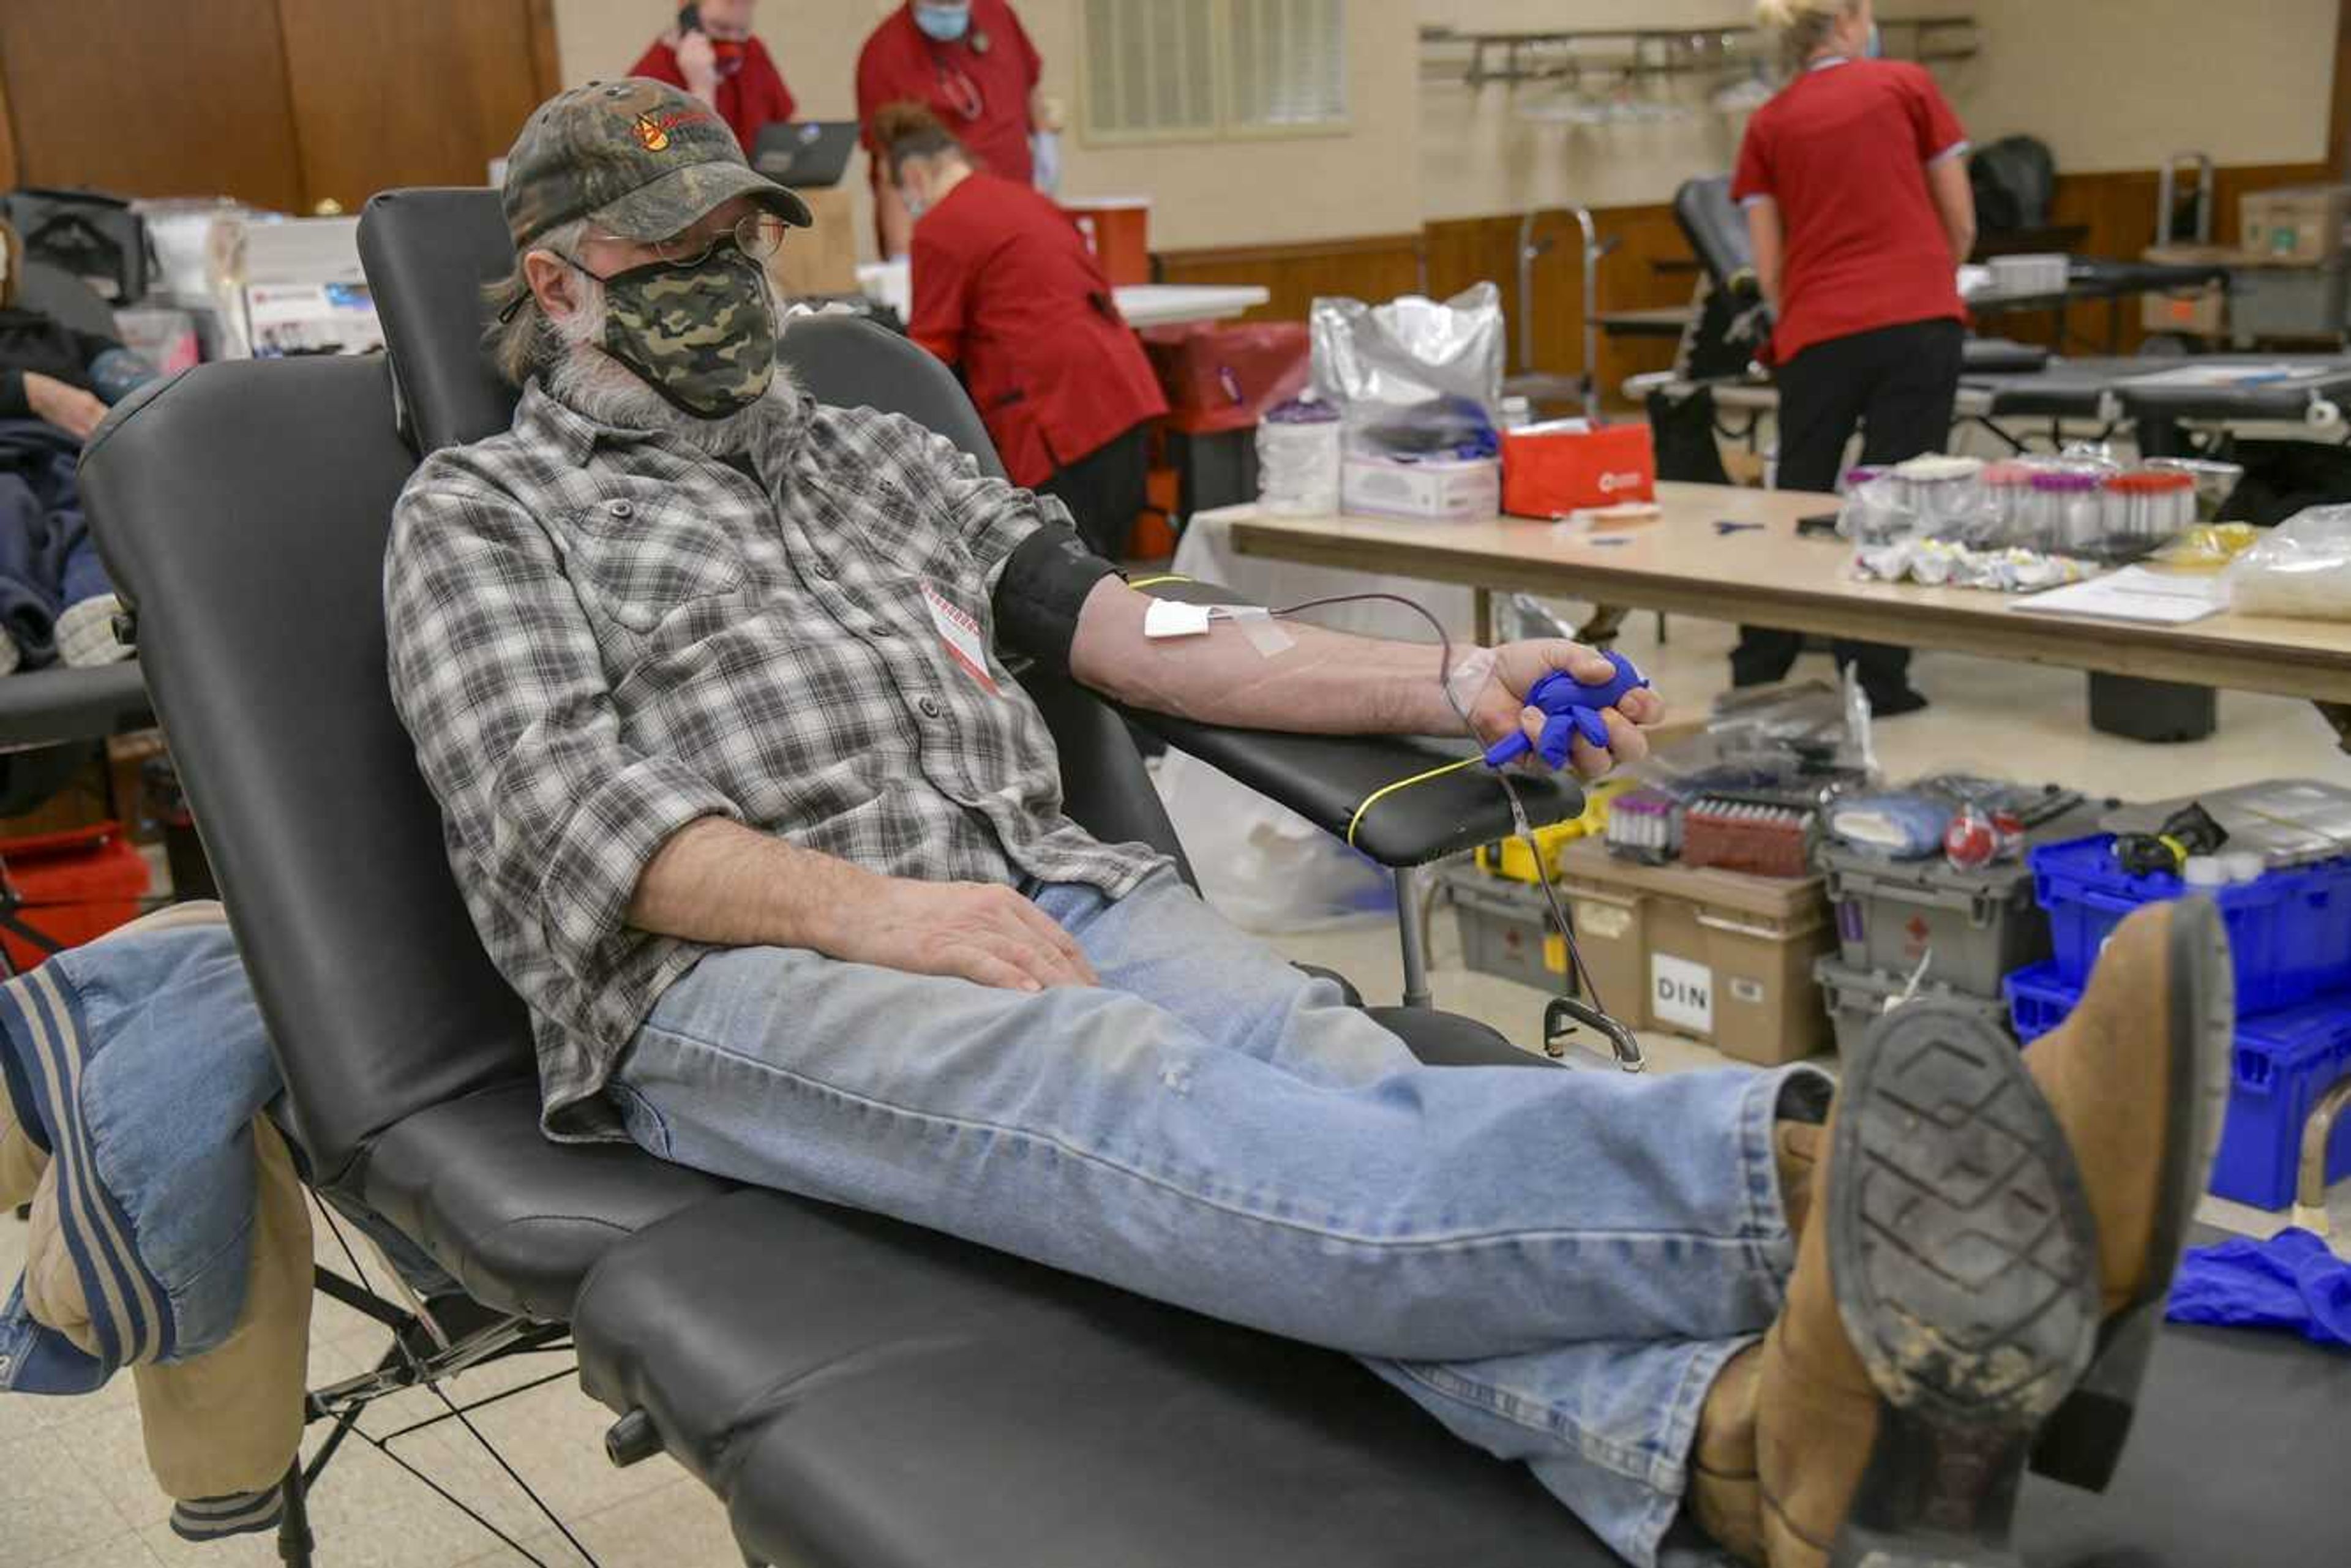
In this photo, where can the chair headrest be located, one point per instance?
(1715, 227)
(429, 254)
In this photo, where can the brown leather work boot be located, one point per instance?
(1725, 1498)
(1944, 1301)
(2126, 1076)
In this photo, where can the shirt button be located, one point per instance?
(930, 707)
(621, 509)
(821, 567)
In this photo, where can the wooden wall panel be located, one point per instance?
(1380, 267)
(2117, 209)
(407, 92)
(146, 100)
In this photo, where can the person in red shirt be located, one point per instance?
(721, 62)
(971, 64)
(1008, 291)
(1856, 184)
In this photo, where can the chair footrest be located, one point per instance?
(864, 1393)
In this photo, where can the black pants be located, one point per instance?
(1897, 385)
(1104, 490)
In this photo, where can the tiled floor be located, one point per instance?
(75, 1494)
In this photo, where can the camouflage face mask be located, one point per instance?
(701, 335)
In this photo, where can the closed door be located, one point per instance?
(183, 99)
(279, 103)
(411, 92)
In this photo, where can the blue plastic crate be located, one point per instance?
(2282, 1063)
(2290, 931)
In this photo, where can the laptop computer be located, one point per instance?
(807, 155)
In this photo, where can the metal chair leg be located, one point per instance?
(2317, 1136)
(293, 1538)
(1408, 880)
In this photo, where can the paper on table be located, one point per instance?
(2231, 375)
(2134, 593)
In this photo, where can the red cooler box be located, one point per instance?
(1549, 471)
(1223, 376)
(72, 887)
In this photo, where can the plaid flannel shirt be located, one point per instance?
(598, 636)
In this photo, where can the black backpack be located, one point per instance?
(2015, 180)
(95, 236)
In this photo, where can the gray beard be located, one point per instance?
(583, 377)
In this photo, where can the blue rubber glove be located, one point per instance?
(1572, 708)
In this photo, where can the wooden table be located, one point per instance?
(1772, 577)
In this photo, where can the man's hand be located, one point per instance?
(973, 931)
(70, 409)
(1502, 705)
(697, 61)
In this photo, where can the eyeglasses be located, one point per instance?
(758, 235)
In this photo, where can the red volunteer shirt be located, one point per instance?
(979, 86)
(1008, 291)
(1843, 150)
(751, 99)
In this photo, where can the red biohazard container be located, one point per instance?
(72, 887)
(1548, 472)
(1223, 376)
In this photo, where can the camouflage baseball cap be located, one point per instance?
(641, 158)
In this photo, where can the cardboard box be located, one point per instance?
(1718, 957)
(822, 259)
(2300, 226)
(1118, 230)
(1450, 488)
(2187, 312)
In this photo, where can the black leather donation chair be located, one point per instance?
(859, 1392)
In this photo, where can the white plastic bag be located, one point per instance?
(2303, 568)
(1261, 865)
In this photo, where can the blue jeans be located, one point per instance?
(1555, 1264)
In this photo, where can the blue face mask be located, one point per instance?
(945, 24)
(1876, 51)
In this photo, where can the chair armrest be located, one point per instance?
(60, 705)
(1325, 779)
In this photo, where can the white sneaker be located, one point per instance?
(86, 633)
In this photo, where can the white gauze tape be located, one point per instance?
(1257, 625)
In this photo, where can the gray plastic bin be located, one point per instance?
(1857, 998)
(1506, 929)
(1976, 926)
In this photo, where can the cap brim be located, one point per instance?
(678, 201)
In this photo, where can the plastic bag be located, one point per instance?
(2303, 568)
(1370, 359)
(2207, 548)
(1298, 459)
(1261, 865)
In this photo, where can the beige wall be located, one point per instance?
(1208, 195)
(2122, 84)
(2109, 84)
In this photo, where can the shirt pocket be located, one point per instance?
(640, 561)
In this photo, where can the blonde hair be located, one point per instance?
(1804, 25)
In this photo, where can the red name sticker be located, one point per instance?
(961, 634)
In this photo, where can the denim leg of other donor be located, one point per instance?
(1554, 1263)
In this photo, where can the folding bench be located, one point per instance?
(858, 1392)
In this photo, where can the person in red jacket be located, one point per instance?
(721, 62)
(971, 64)
(1008, 292)
(1855, 180)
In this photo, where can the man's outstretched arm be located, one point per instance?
(1328, 683)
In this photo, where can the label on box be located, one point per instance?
(1555, 953)
(1681, 994)
(1751, 992)
(1604, 923)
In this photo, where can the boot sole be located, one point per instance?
(2083, 1441)
(1965, 1262)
